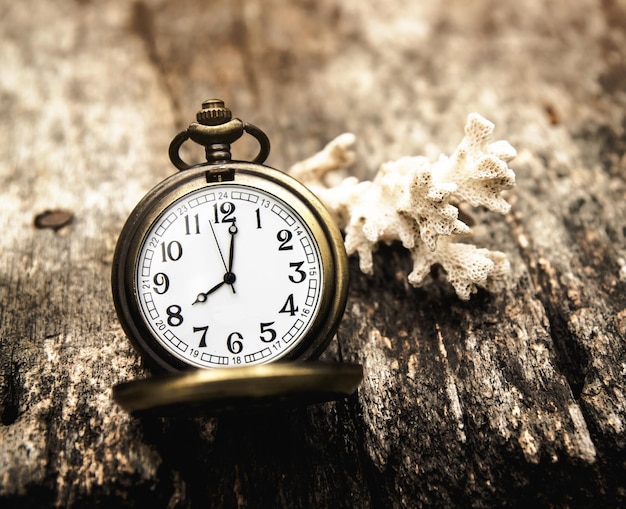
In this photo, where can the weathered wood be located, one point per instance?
(507, 399)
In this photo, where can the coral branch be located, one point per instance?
(467, 266)
(416, 201)
(479, 168)
(336, 155)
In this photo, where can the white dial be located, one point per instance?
(228, 275)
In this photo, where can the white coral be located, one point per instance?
(415, 201)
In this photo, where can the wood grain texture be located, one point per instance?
(506, 400)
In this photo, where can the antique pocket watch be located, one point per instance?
(222, 270)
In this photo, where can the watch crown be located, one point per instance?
(213, 112)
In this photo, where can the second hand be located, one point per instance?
(218, 246)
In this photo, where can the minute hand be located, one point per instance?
(231, 254)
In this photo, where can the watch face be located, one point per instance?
(228, 275)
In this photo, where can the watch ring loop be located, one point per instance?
(264, 142)
(175, 145)
(252, 130)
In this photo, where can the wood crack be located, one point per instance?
(570, 360)
(11, 393)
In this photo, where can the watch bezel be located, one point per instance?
(330, 243)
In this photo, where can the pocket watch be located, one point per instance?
(230, 264)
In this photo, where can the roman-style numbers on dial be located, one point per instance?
(229, 275)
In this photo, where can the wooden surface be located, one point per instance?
(505, 400)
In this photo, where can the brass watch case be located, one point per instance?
(302, 200)
(212, 392)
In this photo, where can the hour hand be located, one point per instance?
(202, 297)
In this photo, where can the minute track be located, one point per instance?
(269, 281)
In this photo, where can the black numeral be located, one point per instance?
(284, 237)
(204, 331)
(258, 218)
(161, 283)
(193, 225)
(174, 317)
(300, 275)
(233, 343)
(289, 306)
(265, 328)
(226, 210)
(173, 251)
